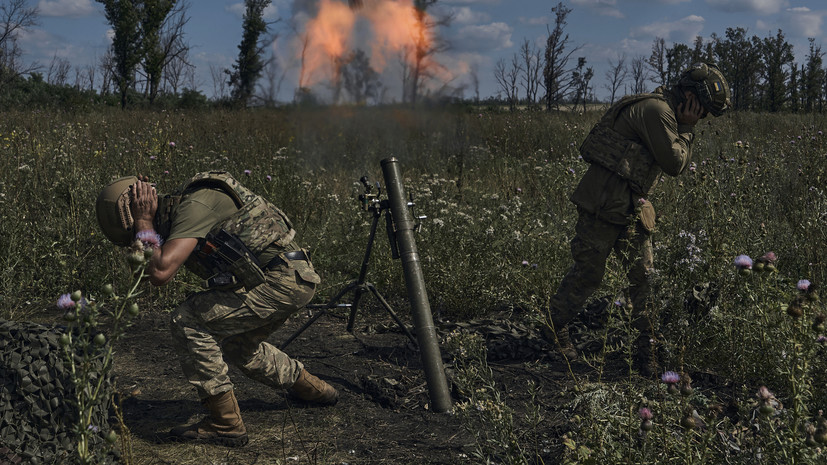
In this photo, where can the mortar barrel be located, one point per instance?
(423, 320)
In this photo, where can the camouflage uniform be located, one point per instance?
(613, 212)
(215, 326)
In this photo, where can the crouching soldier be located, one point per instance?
(638, 139)
(255, 277)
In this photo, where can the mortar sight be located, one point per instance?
(369, 199)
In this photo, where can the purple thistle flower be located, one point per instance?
(247, 172)
(670, 377)
(803, 285)
(645, 413)
(768, 257)
(172, 144)
(166, 172)
(822, 340)
(743, 262)
(764, 393)
(525, 263)
(268, 178)
(534, 266)
(65, 302)
(93, 428)
(152, 157)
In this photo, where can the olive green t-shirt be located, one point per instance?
(199, 211)
(202, 209)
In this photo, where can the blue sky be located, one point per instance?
(481, 33)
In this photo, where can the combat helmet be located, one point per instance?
(112, 208)
(707, 82)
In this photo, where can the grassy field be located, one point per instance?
(494, 187)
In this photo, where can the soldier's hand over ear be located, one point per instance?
(690, 111)
(143, 203)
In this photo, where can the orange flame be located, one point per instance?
(394, 28)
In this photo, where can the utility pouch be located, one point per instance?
(305, 271)
(647, 215)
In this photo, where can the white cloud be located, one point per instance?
(766, 7)
(601, 7)
(484, 37)
(66, 8)
(465, 15)
(804, 23)
(683, 30)
(534, 20)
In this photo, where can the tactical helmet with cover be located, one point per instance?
(708, 83)
(112, 208)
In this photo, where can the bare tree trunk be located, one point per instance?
(616, 75)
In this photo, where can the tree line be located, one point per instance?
(149, 57)
(761, 71)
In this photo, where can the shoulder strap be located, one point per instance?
(224, 181)
(614, 111)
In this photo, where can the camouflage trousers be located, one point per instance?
(213, 327)
(594, 240)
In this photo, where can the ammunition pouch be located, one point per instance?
(230, 263)
(631, 161)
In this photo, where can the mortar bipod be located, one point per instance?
(370, 202)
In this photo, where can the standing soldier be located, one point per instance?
(639, 138)
(256, 277)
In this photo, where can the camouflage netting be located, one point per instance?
(37, 412)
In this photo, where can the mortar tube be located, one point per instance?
(438, 390)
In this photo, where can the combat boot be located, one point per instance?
(562, 339)
(222, 426)
(309, 388)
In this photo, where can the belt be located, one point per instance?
(292, 255)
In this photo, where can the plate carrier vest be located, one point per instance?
(229, 256)
(617, 153)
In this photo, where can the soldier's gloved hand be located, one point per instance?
(690, 111)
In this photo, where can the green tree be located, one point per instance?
(812, 78)
(657, 62)
(249, 65)
(154, 13)
(360, 80)
(582, 76)
(795, 100)
(125, 18)
(777, 61)
(739, 58)
(556, 77)
(678, 58)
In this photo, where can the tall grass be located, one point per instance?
(495, 189)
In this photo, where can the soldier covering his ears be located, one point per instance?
(255, 274)
(637, 140)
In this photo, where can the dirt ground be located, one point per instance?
(383, 415)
